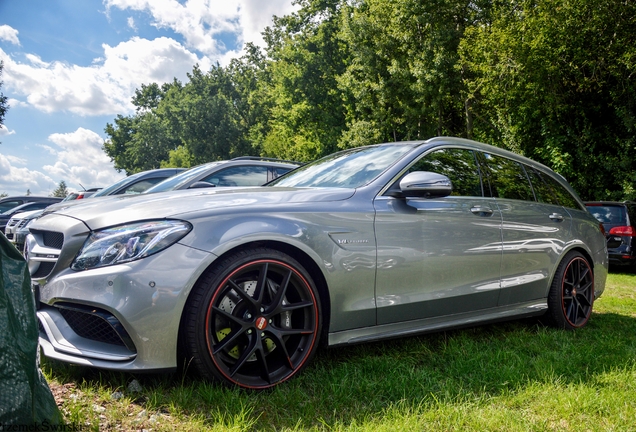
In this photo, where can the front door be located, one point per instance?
(438, 256)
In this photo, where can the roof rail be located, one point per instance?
(266, 159)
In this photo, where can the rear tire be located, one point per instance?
(572, 293)
(253, 321)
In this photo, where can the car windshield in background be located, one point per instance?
(347, 169)
(609, 214)
(113, 187)
(176, 181)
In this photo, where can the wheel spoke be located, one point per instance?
(245, 355)
(241, 292)
(277, 337)
(228, 316)
(296, 306)
(261, 357)
(224, 344)
(277, 301)
(261, 283)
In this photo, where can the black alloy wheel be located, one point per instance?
(572, 293)
(254, 320)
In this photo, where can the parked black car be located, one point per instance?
(34, 205)
(8, 203)
(619, 221)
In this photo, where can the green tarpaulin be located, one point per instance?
(25, 397)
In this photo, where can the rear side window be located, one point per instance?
(507, 178)
(542, 190)
(562, 194)
(459, 165)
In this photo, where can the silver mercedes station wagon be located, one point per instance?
(370, 243)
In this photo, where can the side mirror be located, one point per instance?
(200, 184)
(425, 184)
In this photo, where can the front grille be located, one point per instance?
(53, 239)
(9, 236)
(12, 222)
(22, 223)
(95, 324)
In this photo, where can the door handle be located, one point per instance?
(482, 211)
(556, 217)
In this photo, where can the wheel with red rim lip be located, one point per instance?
(572, 292)
(254, 320)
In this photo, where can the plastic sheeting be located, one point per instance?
(25, 397)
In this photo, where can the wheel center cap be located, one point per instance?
(574, 292)
(261, 323)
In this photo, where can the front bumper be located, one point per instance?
(123, 317)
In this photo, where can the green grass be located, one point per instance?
(512, 376)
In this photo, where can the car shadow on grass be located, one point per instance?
(347, 385)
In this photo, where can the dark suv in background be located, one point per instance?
(619, 221)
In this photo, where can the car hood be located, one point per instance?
(119, 209)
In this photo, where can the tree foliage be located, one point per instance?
(61, 191)
(552, 79)
(3, 99)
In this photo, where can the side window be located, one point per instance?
(562, 194)
(459, 165)
(507, 178)
(542, 191)
(239, 176)
(279, 172)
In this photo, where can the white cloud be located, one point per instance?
(9, 34)
(131, 23)
(16, 160)
(200, 22)
(105, 87)
(16, 181)
(14, 103)
(4, 131)
(257, 14)
(81, 160)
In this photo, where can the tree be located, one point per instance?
(3, 99)
(554, 80)
(403, 81)
(306, 109)
(61, 190)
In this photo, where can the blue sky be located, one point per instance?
(70, 66)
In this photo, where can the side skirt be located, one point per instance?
(429, 325)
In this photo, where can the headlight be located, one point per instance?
(129, 242)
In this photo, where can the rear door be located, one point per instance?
(535, 229)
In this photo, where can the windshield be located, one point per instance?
(175, 182)
(113, 187)
(348, 169)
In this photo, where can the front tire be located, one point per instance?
(254, 320)
(572, 293)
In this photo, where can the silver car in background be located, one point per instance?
(370, 243)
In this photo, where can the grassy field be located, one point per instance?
(512, 376)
